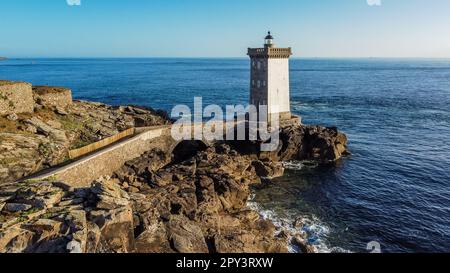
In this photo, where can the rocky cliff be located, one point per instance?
(42, 137)
(193, 201)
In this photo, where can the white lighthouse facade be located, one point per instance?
(269, 80)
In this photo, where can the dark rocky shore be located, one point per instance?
(153, 205)
(193, 199)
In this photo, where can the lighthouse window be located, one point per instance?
(259, 65)
(264, 83)
(258, 84)
(253, 82)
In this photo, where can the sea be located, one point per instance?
(393, 192)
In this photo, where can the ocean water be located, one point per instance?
(395, 187)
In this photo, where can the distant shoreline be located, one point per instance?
(3, 58)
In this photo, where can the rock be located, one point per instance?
(15, 240)
(46, 129)
(61, 111)
(39, 195)
(284, 234)
(154, 240)
(277, 169)
(12, 117)
(261, 169)
(302, 245)
(71, 202)
(93, 238)
(323, 145)
(268, 169)
(74, 247)
(63, 185)
(48, 237)
(14, 207)
(52, 199)
(186, 237)
(19, 155)
(117, 229)
(133, 189)
(248, 237)
(44, 225)
(109, 194)
(54, 124)
(77, 223)
(30, 129)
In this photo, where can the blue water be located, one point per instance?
(394, 189)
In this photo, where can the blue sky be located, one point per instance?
(223, 28)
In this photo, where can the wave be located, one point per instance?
(299, 165)
(309, 227)
(314, 231)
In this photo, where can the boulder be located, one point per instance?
(109, 194)
(17, 207)
(76, 222)
(116, 229)
(268, 169)
(302, 244)
(154, 240)
(15, 240)
(186, 236)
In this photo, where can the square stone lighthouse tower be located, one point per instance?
(269, 81)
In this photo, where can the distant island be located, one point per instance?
(3, 58)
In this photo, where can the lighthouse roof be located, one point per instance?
(269, 36)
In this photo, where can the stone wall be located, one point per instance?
(52, 96)
(105, 162)
(15, 98)
(84, 171)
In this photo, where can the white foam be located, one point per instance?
(299, 165)
(314, 230)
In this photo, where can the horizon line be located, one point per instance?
(215, 57)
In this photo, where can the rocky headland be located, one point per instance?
(192, 199)
(40, 124)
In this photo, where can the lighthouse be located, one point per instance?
(269, 79)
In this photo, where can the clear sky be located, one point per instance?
(223, 28)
